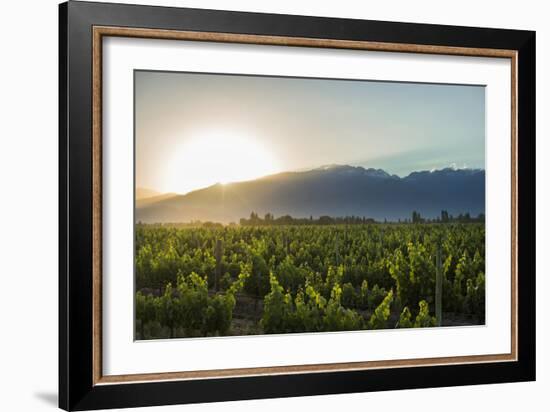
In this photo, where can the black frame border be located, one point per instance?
(76, 388)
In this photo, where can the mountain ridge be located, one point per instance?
(332, 190)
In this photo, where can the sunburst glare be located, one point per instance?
(217, 157)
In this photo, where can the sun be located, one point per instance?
(217, 157)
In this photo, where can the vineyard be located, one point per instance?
(214, 280)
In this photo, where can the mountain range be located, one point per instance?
(334, 190)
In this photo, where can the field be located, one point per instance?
(214, 280)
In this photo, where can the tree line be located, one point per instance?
(270, 220)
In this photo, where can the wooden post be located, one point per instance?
(287, 240)
(218, 255)
(346, 235)
(438, 285)
(337, 250)
(286, 243)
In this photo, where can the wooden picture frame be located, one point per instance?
(82, 384)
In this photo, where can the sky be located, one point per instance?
(193, 130)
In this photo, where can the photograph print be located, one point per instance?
(275, 205)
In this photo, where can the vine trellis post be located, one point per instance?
(218, 253)
(438, 285)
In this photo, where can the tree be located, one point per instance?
(289, 275)
(348, 295)
(257, 284)
(338, 318)
(277, 307)
(474, 302)
(166, 310)
(416, 218)
(405, 319)
(423, 319)
(381, 314)
(218, 314)
(191, 303)
(145, 311)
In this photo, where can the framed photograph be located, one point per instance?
(257, 205)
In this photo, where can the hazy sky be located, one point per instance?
(193, 130)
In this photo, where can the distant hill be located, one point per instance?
(143, 193)
(329, 190)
